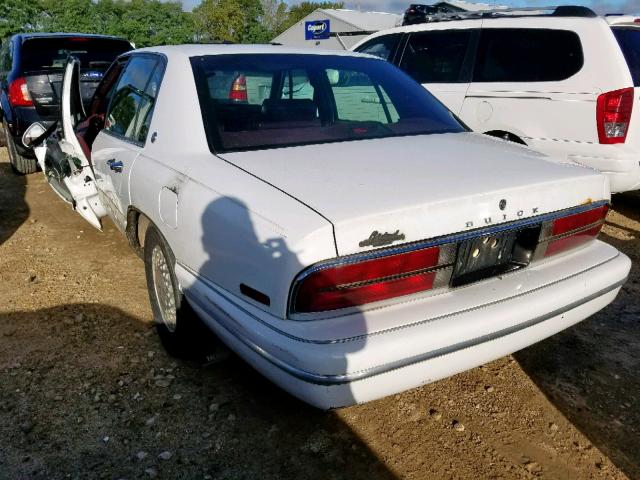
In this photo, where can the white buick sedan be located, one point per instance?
(330, 221)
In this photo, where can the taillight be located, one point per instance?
(19, 93)
(373, 280)
(613, 115)
(455, 261)
(566, 233)
(238, 90)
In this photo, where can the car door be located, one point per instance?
(524, 84)
(441, 60)
(63, 160)
(117, 146)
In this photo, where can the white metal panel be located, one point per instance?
(423, 186)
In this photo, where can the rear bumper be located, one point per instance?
(441, 336)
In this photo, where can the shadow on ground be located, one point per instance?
(13, 208)
(590, 372)
(87, 391)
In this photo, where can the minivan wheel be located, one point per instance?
(182, 333)
(19, 163)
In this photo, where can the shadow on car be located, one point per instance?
(590, 371)
(13, 208)
(87, 388)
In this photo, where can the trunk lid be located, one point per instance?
(416, 188)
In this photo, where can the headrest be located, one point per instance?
(296, 110)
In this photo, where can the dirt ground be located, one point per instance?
(86, 390)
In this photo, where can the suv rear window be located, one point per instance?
(268, 101)
(50, 53)
(527, 55)
(629, 40)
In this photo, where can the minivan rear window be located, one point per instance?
(629, 40)
(527, 55)
(258, 101)
(50, 53)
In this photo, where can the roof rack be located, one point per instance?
(555, 11)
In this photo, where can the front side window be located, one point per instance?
(133, 99)
(527, 55)
(437, 56)
(382, 47)
(629, 40)
(310, 99)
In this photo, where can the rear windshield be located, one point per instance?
(51, 53)
(629, 40)
(266, 101)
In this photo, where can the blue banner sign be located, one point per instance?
(317, 30)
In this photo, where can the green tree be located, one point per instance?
(68, 16)
(274, 15)
(148, 22)
(219, 20)
(19, 16)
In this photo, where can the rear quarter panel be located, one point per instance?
(229, 227)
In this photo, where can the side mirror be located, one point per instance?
(33, 133)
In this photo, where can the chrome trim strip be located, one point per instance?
(437, 241)
(458, 237)
(329, 380)
(227, 297)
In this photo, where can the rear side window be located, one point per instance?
(132, 104)
(382, 47)
(527, 55)
(437, 56)
(629, 40)
(49, 53)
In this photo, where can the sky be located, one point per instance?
(398, 6)
(600, 6)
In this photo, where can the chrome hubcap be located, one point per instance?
(163, 288)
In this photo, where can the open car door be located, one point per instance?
(64, 162)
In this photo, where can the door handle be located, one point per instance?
(115, 165)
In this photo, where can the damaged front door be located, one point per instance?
(64, 162)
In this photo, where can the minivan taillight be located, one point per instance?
(238, 90)
(613, 115)
(19, 93)
(373, 280)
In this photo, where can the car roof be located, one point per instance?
(26, 36)
(197, 50)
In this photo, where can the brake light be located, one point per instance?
(372, 280)
(238, 91)
(613, 115)
(19, 93)
(569, 232)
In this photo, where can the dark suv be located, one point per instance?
(31, 68)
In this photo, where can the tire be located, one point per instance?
(20, 164)
(182, 333)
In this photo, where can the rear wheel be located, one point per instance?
(182, 333)
(20, 164)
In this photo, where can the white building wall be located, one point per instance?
(295, 36)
